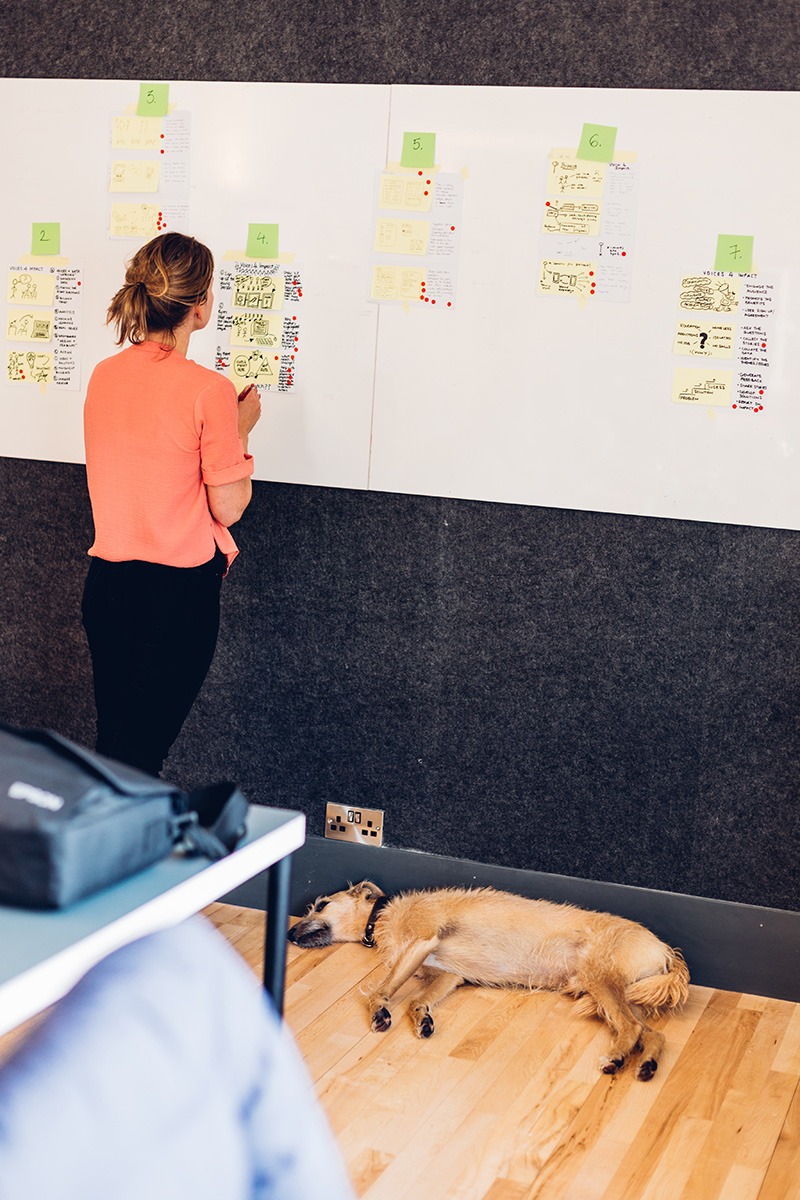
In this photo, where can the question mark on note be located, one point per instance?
(703, 340)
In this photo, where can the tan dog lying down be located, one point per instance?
(619, 970)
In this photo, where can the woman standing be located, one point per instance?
(168, 473)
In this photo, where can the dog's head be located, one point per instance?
(341, 917)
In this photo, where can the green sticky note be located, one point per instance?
(153, 100)
(46, 237)
(597, 142)
(262, 241)
(734, 252)
(419, 150)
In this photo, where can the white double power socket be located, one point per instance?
(364, 825)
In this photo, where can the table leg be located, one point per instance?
(277, 924)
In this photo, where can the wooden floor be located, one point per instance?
(505, 1101)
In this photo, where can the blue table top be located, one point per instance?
(165, 892)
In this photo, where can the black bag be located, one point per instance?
(73, 822)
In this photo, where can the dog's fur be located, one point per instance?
(617, 970)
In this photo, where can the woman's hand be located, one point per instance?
(249, 411)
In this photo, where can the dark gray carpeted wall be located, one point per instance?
(609, 697)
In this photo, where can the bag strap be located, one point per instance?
(214, 819)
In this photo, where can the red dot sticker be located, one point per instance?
(428, 182)
(433, 301)
(162, 149)
(761, 391)
(452, 227)
(763, 345)
(421, 297)
(276, 358)
(449, 304)
(294, 318)
(733, 406)
(427, 298)
(425, 193)
(624, 252)
(547, 203)
(162, 137)
(419, 172)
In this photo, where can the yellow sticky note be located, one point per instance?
(558, 277)
(579, 217)
(398, 236)
(137, 133)
(261, 293)
(254, 329)
(704, 339)
(710, 293)
(29, 325)
(397, 283)
(136, 175)
(133, 220)
(694, 386)
(31, 287)
(569, 175)
(254, 366)
(406, 193)
(29, 367)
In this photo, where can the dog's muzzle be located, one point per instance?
(311, 935)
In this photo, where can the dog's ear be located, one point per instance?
(368, 889)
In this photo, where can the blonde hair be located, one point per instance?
(163, 280)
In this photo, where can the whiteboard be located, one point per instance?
(300, 156)
(507, 396)
(532, 399)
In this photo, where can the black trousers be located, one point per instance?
(152, 631)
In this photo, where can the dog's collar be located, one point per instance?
(369, 933)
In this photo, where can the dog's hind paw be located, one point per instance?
(381, 1020)
(647, 1070)
(610, 1066)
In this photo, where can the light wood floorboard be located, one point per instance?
(505, 1101)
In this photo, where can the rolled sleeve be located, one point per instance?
(222, 458)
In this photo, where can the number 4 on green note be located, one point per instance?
(262, 241)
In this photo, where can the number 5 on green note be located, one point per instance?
(419, 150)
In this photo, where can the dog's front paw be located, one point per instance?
(424, 1026)
(381, 1020)
(610, 1066)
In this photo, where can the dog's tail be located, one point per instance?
(658, 992)
(653, 994)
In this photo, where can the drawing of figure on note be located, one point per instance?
(40, 367)
(705, 293)
(253, 368)
(15, 367)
